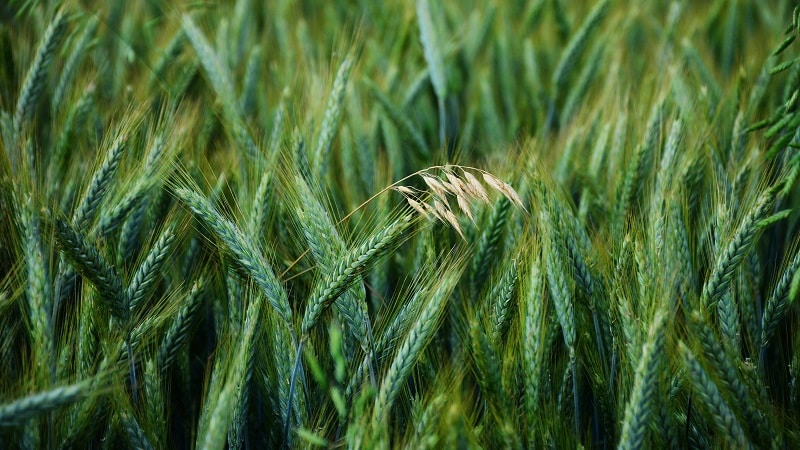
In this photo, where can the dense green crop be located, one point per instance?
(416, 224)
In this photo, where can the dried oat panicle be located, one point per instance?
(454, 182)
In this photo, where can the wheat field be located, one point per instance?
(410, 224)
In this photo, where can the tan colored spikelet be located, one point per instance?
(459, 187)
(476, 187)
(513, 195)
(453, 220)
(446, 204)
(441, 210)
(433, 211)
(463, 204)
(449, 188)
(435, 185)
(404, 190)
(492, 181)
(418, 207)
(504, 188)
